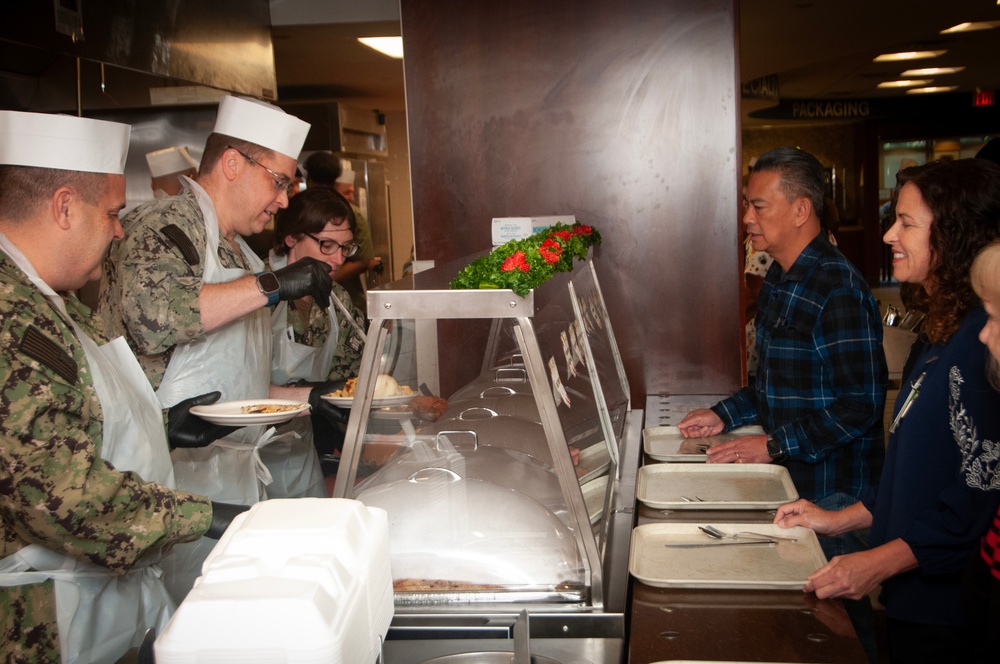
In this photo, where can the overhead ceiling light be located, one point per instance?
(932, 71)
(932, 90)
(391, 46)
(972, 26)
(908, 55)
(904, 83)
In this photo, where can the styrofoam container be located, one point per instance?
(264, 619)
(326, 559)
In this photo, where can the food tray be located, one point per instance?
(784, 565)
(667, 443)
(594, 493)
(752, 486)
(594, 461)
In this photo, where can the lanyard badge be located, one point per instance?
(910, 398)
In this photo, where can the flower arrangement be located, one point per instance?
(521, 265)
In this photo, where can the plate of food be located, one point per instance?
(387, 393)
(250, 411)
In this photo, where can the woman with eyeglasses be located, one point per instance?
(312, 344)
(316, 345)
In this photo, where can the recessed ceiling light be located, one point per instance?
(908, 55)
(904, 83)
(391, 46)
(932, 71)
(972, 26)
(932, 90)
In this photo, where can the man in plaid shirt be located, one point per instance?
(820, 387)
(820, 390)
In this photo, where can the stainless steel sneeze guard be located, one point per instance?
(557, 345)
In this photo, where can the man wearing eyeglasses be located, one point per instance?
(193, 300)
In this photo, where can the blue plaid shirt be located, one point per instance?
(821, 378)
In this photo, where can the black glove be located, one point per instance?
(223, 515)
(187, 430)
(307, 276)
(324, 408)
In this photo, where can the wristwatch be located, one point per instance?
(268, 285)
(773, 449)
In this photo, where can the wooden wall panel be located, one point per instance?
(624, 114)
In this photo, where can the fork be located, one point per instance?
(715, 533)
(696, 499)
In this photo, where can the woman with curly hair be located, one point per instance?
(933, 503)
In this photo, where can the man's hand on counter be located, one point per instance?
(745, 449)
(700, 423)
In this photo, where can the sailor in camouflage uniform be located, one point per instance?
(82, 437)
(192, 300)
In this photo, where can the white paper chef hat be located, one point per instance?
(261, 123)
(346, 174)
(170, 160)
(66, 142)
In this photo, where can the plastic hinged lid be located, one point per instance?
(290, 580)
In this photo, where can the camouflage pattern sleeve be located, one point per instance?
(28, 628)
(366, 249)
(350, 345)
(151, 284)
(55, 490)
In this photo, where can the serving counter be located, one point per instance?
(514, 495)
(729, 624)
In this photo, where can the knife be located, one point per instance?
(698, 544)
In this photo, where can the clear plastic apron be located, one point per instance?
(235, 360)
(292, 361)
(102, 614)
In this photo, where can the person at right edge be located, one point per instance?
(820, 387)
(933, 502)
(88, 503)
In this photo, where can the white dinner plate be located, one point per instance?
(378, 402)
(229, 412)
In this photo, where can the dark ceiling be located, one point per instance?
(818, 49)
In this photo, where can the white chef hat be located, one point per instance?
(261, 123)
(346, 174)
(65, 142)
(170, 160)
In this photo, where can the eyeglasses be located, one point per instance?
(330, 247)
(281, 182)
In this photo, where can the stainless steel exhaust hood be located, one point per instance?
(224, 44)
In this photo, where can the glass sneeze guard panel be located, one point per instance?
(495, 493)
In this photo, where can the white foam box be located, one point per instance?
(319, 561)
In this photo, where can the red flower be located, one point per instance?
(583, 230)
(563, 235)
(550, 251)
(516, 261)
